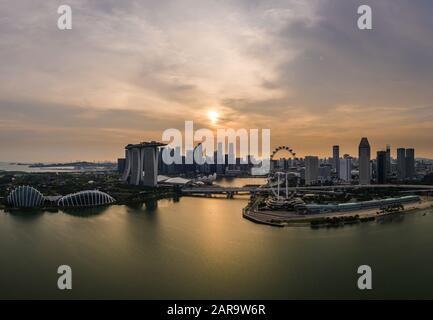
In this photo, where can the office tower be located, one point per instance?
(177, 166)
(346, 169)
(232, 156)
(381, 167)
(311, 169)
(163, 168)
(189, 160)
(410, 163)
(274, 165)
(282, 164)
(121, 164)
(220, 154)
(364, 161)
(219, 159)
(388, 160)
(401, 163)
(189, 157)
(142, 163)
(336, 159)
(325, 172)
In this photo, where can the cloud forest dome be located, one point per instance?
(86, 198)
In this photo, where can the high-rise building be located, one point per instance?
(336, 159)
(388, 160)
(325, 172)
(401, 163)
(410, 163)
(121, 164)
(364, 161)
(220, 154)
(142, 163)
(381, 167)
(220, 159)
(346, 169)
(188, 159)
(311, 170)
(232, 156)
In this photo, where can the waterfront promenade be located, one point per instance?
(291, 218)
(254, 189)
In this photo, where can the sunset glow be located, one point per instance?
(300, 68)
(213, 116)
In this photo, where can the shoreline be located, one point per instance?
(292, 219)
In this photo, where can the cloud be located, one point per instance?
(129, 70)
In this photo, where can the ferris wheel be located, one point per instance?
(278, 180)
(285, 149)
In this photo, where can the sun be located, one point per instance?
(213, 116)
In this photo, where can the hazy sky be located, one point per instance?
(130, 69)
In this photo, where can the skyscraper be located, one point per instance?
(311, 170)
(388, 159)
(401, 163)
(336, 159)
(232, 157)
(220, 159)
(142, 163)
(381, 167)
(364, 161)
(346, 169)
(121, 164)
(325, 172)
(410, 163)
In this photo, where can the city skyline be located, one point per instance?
(329, 155)
(208, 157)
(128, 71)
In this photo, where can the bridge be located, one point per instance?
(231, 191)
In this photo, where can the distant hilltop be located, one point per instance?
(82, 164)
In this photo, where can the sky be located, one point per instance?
(128, 70)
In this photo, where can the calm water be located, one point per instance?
(239, 182)
(203, 248)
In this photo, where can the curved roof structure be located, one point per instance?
(25, 197)
(162, 178)
(87, 198)
(177, 181)
(173, 181)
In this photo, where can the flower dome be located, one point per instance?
(25, 197)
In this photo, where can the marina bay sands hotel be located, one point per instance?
(141, 163)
